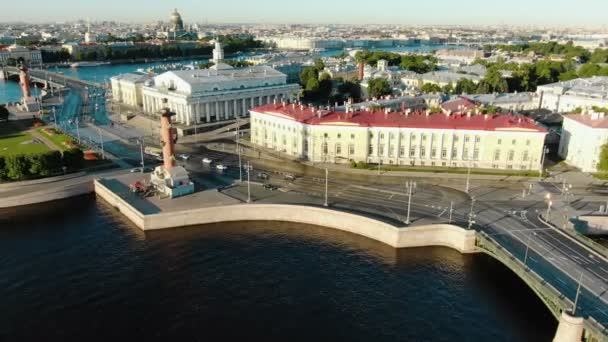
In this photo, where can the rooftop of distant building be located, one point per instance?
(593, 120)
(401, 119)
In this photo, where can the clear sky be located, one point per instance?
(451, 12)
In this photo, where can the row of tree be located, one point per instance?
(417, 63)
(19, 167)
(568, 50)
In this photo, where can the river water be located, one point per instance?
(76, 270)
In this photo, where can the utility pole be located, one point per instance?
(238, 149)
(326, 186)
(549, 204)
(55, 117)
(410, 186)
(542, 163)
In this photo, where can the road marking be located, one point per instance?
(391, 196)
(443, 212)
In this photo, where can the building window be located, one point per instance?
(499, 141)
(352, 136)
(497, 155)
(381, 136)
(454, 153)
(413, 137)
(465, 154)
(401, 151)
(412, 152)
(476, 154)
(525, 156)
(370, 149)
(338, 149)
(381, 149)
(513, 142)
(423, 152)
(325, 135)
(423, 137)
(466, 138)
(324, 148)
(511, 155)
(528, 142)
(371, 135)
(391, 150)
(433, 152)
(455, 138)
(339, 136)
(391, 136)
(444, 153)
(477, 138)
(351, 149)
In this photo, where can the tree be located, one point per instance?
(430, 88)
(307, 74)
(603, 164)
(44, 164)
(465, 86)
(589, 70)
(448, 88)
(312, 85)
(494, 81)
(17, 167)
(379, 87)
(73, 159)
(2, 168)
(4, 113)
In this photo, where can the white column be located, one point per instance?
(226, 110)
(244, 104)
(207, 111)
(235, 109)
(217, 111)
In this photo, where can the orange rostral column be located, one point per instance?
(24, 82)
(167, 138)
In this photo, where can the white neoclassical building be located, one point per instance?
(567, 96)
(414, 138)
(216, 94)
(582, 138)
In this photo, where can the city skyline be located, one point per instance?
(469, 12)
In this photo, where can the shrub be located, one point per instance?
(73, 159)
(17, 167)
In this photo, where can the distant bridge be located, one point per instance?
(46, 77)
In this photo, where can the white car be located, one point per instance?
(221, 167)
(184, 157)
(207, 161)
(135, 170)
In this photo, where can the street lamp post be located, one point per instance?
(578, 291)
(451, 211)
(248, 183)
(103, 153)
(542, 163)
(527, 248)
(471, 213)
(326, 186)
(468, 177)
(549, 204)
(141, 151)
(410, 186)
(78, 129)
(55, 117)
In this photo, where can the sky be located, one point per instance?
(415, 12)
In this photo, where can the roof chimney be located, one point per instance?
(428, 112)
(468, 114)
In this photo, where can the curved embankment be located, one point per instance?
(433, 235)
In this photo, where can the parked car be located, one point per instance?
(184, 157)
(290, 177)
(263, 175)
(135, 170)
(207, 161)
(270, 187)
(221, 167)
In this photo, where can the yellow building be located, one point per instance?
(499, 141)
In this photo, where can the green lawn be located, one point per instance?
(14, 141)
(57, 138)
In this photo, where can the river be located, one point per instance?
(76, 270)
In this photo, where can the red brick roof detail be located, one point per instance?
(588, 121)
(415, 119)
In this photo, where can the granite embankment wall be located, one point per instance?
(432, 235)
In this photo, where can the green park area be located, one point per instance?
(15, 141)
(62, 141)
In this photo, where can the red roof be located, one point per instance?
(458, 105)
(587, 120)
(415, 119)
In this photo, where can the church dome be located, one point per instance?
(176, 21)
